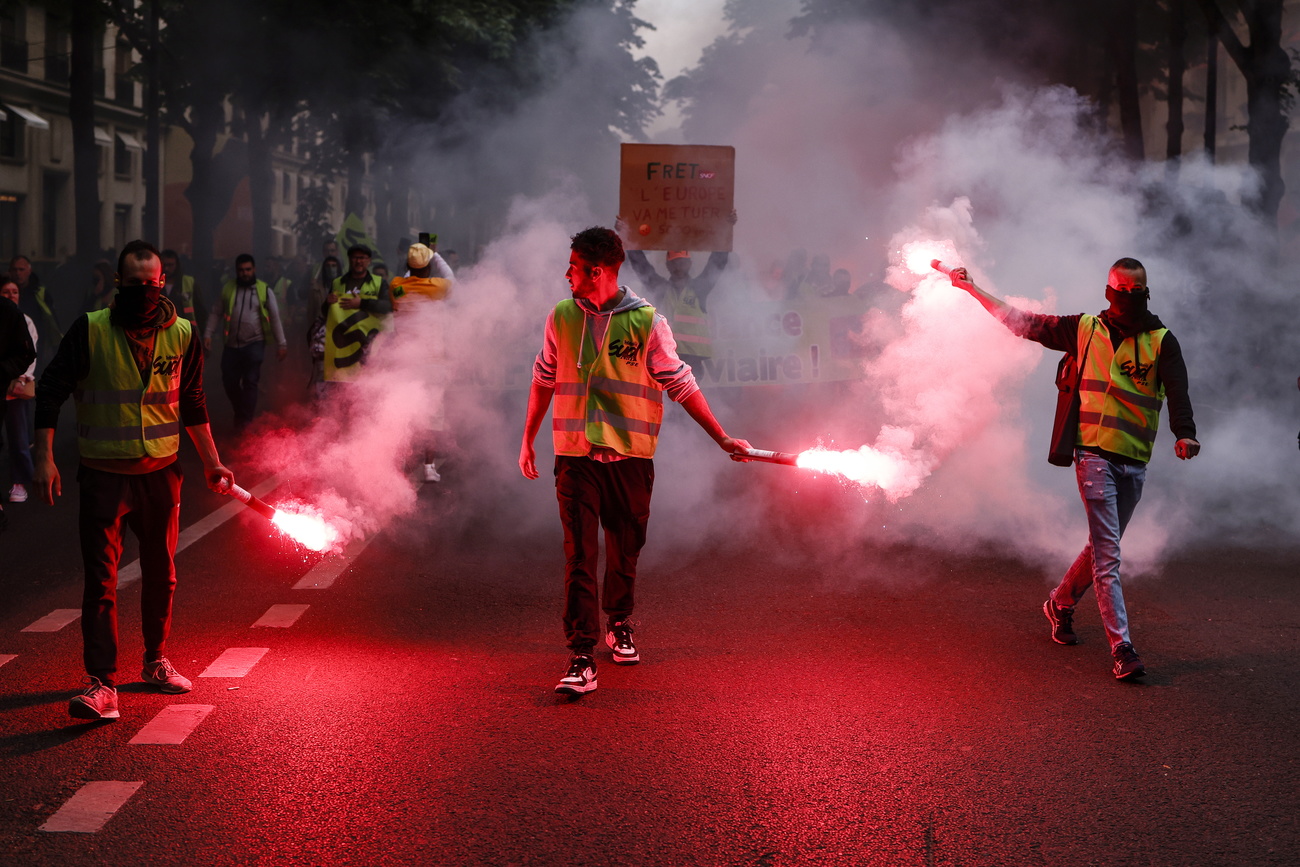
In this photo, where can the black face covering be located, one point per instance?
(1128, 310)
(136, 306)
(246, 283)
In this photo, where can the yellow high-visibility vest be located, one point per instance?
(1120, 393)
(604, 395)
(690, 323)
(228, 306)
(118, 414)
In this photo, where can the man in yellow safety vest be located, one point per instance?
(135, 371)
(607, 358)
(1119, 369)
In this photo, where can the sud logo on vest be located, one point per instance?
(1135, 371)
(626, 351)
(167, 365)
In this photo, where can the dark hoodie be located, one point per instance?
(1062, 334)
(71, 364)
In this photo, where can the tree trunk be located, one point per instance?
(1211, 95)
(1177, 66)
(1123, 51)
(1266, 87)
(261, 182)
(153, 133)
(85, 152)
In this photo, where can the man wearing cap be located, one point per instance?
(354, 313)
(251, 318)
(682, 299)
(414, 298)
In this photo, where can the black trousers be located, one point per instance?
(592, 494)
(150, 505)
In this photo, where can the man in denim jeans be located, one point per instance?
(1120, 368)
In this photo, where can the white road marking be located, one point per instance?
(322, 575)
(6, 657)
(281, 615)
(200, 528)
(55, 620)
(235, 662)
(173, 724)
(91, 806)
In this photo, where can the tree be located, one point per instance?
(1270, 88)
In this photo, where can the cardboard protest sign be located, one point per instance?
(677, 197)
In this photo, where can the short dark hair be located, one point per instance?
(140, 251)
(20, 256)
(245, 257)
(359, 248)
(170, 252)
(1128, 264)
(600, 246)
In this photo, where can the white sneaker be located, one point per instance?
(161, 674)
(18, 494)
(430, 474)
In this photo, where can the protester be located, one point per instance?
(607, 357)
(681, 298)
(135, 373)
(101, 286)
(251, 319)
(1119, 367)
(355, 310)
(17, 354)
(18, 412)
(182, 291)
(417, 291)
(329, 272)
(38, 303)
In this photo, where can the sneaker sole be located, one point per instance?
(81, 710)
(620, 660)
(1053, 622)
(575, 689)
(1132, 675)
(164, 686)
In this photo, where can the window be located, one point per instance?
(121, 225)
(286, 188)
(124, 84)
(13, 40)
(10, 211)
(57, 50)
(124, 147)
(12, 136)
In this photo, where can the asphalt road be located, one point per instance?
(907, 708)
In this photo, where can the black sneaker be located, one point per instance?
(1128, 665)
(1062, 620)
(619, 639)
(581, 676)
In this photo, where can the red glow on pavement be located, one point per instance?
(306, 527)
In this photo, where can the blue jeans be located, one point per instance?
(241, 371)
(18, 430)
(1110, 493)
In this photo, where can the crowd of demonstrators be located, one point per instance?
(1118, 368)
(250, 319)
(18, 410)
(682, 299)
(135, 373)
(606, 359)
(325, 275)
(17, 357)
(423, 285)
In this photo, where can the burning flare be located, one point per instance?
(306, 528)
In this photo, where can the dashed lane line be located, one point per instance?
(55, 620)
(281, 615)
(6, 657)
(235, 662)
(173, 724)
(91, 806)
(200, 528)
(322, 575)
